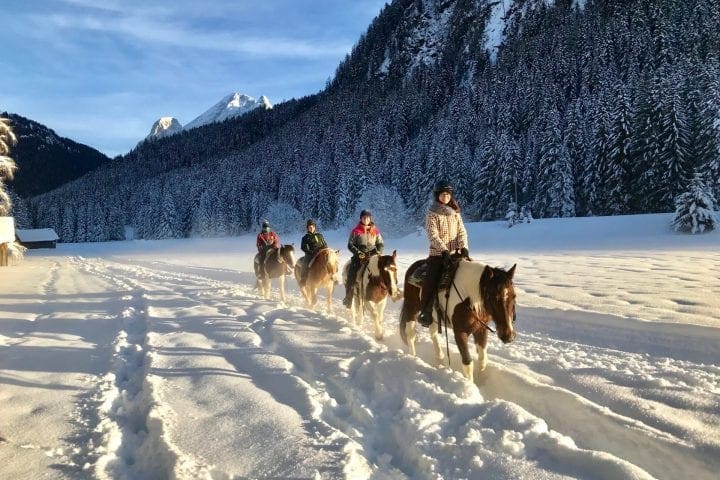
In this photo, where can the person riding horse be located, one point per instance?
(312, 242)
(365, 240)
(266, 240)
(446, 233)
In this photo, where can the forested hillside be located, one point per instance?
(574, 108)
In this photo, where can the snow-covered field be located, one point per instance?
(157, 360)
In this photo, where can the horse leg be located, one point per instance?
(461, 340)
(360, 306)
(313, 297)
(439, 355)
(481, 339)
(410, 337)
(378, 311)
(282, 288)
(330, 289)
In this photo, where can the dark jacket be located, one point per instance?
(312, 242)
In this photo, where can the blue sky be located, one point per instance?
(102, 71)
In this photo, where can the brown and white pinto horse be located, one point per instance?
(277, 264)
(322, 273)
(375, 281)
(477, 294)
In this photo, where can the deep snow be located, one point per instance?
(157, 359)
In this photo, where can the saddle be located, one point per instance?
(314, 256)
(446, 276)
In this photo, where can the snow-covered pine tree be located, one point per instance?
(695, 210)
(513, 214)
(389, 211)
(7, 165)
(673, 155)
(285, 219)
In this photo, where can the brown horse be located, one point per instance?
(478, 293)
(277, 264)
(375, 281)
(322, 273)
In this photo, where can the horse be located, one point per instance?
(277, 263)
(322, 273)
(477, 294)
(374, 283)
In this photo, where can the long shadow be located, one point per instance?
(23, 358)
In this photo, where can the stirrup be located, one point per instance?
(425, 318)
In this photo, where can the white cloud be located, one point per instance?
(154, 31)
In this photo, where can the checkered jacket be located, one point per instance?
(445, 229)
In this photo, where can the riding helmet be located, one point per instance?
(365, 213)
(310, 222)
(266, 224)
(442, 186)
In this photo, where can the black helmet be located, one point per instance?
(266, 224)
(365, 213)
(442, 186)
(310, 222)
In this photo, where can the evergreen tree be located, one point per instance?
(696, 209)
(673, 159)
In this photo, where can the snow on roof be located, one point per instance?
(36, 235)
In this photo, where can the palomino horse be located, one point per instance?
(376, 280)
(277, 263)
(322, 273)
(477, 294)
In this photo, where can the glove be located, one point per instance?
(464, 253)
(446, 256)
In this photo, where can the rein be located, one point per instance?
(470, 309)
(447, 318)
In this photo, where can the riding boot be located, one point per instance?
(435, 266)
(426, 315)
(350, 285)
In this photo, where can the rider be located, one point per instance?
(312, 242)
(365, 240)
(266, 241)
(446, 233)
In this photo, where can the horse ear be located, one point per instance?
(394, 255)
(487, 272)
(511, 272)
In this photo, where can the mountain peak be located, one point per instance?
(163, 127)
(231, 105)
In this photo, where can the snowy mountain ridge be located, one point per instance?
(427, 27)
(232, 105)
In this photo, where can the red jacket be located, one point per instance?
(365, 239)
(265, 239)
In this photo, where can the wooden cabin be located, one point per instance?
(37, 238)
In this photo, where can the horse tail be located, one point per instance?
(407, 312)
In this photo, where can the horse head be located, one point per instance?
(332, 261)
(387, 268)
(498, 296)
(287, 255)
